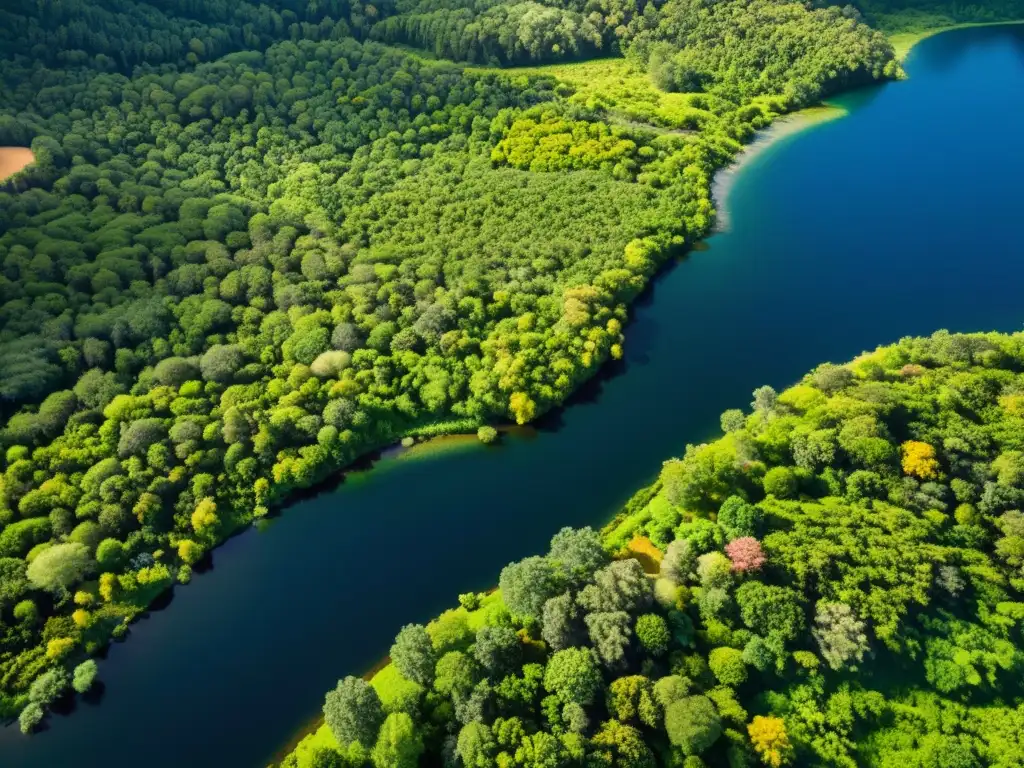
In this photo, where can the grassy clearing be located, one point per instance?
(902, 42)
(621, 88)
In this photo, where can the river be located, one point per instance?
(898, 219)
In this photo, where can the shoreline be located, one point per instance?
(903, 42)
(785, 126)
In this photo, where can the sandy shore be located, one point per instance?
(782, 128)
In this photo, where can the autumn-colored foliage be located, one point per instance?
(919, 460)
(768, 735)
(641, 548)
(746, 554)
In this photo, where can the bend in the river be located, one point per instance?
(898, 219)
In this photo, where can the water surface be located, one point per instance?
(898, 219)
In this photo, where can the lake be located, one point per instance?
(898, 219)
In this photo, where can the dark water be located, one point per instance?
(898, 219)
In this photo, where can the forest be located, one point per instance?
(835, 581)
(257, 243)
(260, 241)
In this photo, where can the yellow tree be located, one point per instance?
(205, 515)
(919, 460)
(768, 735)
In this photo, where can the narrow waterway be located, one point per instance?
(898, 219)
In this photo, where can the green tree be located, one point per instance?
(353, 712)
(85, 675)
(573, 676)
(692, 724)
(399, 745)
(528, 584)
(728, 665)
(413, 654)
(59, 567)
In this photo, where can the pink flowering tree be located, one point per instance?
(746, 554)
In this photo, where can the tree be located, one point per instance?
(839, 633)
(617, 744)
(769, 739)
(455, 675)
(85, 675)
(769, 609)
(30, 717)
(353, 712)
(579, 551)
(733, 420)
(728, 665)
(326, 757)
(919, 460)
(679, 562)
(137, 437)
(714, 570)
(692, 724)
(476, 745)
(59, 567)
(560, 622)
(738, 518)
(670, 689)
(831, 379)
(413, 654)
(573, 676)
(220, 362)
(620, 586)
(632, 699)
(765, 400)
(13, 581)
(49, 686)
(110, 555)
(611, 635)
(653, 633)
(498, 650)
(780, 482)
(399, 744)
(746, 554)
(528, 584)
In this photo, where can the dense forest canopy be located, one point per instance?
(836, 581)
(259, 241)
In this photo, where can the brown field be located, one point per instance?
(13, 159)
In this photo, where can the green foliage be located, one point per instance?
(413, 654)
(692, 724)
(881, 630)
(30, 717)
(48, 687)
(728, 665)
(59, 567)
(353, 712)
(85, 675)
(653, 633)
(399, 744)
(573, 676)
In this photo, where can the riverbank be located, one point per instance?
(14, 160)
(780, 129)
(278, 621)
(619, 529)
(903, 42)
(795, 513)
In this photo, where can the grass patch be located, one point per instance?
(902, 42)
(623, 89)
